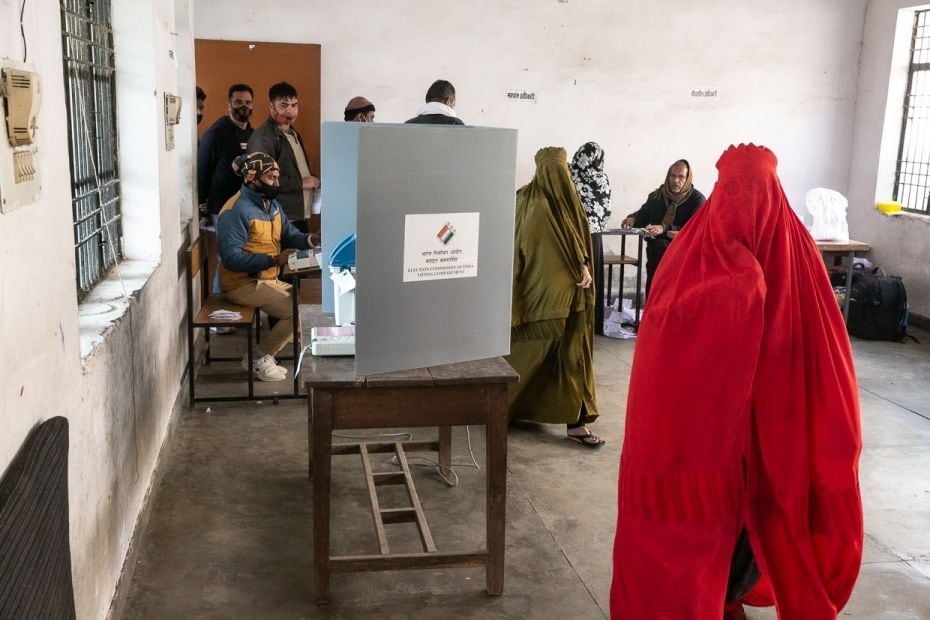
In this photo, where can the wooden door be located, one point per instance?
(219, 64)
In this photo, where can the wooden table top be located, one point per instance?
(339, 371)
(843, 246)
(287, 272)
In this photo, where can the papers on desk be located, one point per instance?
(226, 315)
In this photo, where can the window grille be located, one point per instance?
(912, 175)
(87, 45)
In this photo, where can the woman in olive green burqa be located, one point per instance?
(552, 318)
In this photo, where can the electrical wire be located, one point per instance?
(422, 461)
(22, 29)
(108, 242)
(428, 463)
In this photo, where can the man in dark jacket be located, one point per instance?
(439, 108)
(223, 142)
(666, 209)
(278, 138)
(255, 240)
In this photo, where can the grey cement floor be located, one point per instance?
(229, 536)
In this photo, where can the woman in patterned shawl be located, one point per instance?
(592, 185)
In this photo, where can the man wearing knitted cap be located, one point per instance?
(255, 239)
(360, 110)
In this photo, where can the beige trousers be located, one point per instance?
(274, 297)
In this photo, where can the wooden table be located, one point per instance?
(609, 260)
(849, 248)
(293, 277)
(472, 393)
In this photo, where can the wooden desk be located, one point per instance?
(849, 248)
(473, 393)
(293, 277)
(609, 260)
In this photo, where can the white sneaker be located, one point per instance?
(266, 369)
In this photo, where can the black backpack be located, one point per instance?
(877, 307)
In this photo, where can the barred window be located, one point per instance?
(87, 43)
(912, 175)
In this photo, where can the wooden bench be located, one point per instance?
(199, 317)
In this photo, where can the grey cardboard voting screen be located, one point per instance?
(339, 184)
(435, 217)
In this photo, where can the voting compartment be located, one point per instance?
(433, 209)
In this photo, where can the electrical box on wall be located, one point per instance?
(19, 171)
(172, 118)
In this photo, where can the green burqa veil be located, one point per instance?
(552, 319)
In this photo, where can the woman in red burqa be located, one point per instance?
(742, 413)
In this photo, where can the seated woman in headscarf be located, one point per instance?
(667, 208)
(754, 426)
(552, 318)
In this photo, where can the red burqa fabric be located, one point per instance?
(743, 412)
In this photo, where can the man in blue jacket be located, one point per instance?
(255, 239)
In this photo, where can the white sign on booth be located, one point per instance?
(440, 246)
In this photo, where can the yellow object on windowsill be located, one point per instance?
(889, 208)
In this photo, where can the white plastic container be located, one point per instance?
(343, 294)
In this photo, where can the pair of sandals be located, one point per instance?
(586, 439)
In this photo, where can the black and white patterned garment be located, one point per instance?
(591, 183)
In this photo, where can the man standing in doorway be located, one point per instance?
(440, 106)
(201, 101)
(280, 139)
(222, 143)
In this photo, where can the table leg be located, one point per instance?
(310, 435)
(445, 448)
(597, 247)
(321, 466)
(496, 440)
(295, 319)
(849, 272)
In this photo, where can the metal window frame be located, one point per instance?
(912, 168)
(89, 76)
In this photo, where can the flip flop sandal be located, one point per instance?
(589, 440)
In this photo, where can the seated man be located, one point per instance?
(667, 208)
(255, 239)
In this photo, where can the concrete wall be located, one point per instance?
(620, 73)
(113, 365)
(900, 244)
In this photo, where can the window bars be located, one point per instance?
(87, 42)
(912, 174)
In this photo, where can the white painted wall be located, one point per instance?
(901, 244)
(620, 73)
(119, 397)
